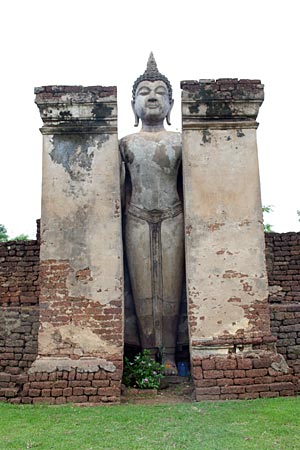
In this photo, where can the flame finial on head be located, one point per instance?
(151, 64)
(152, 74)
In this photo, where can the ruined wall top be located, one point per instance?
(225, 88)
(72, 109)
(225, 98)
(79, 92)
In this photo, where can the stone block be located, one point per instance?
(229, 396)
(42, 400)
(109, 391)
(243, 381)
(100, 383)
(225, 382)
(268, 394)
(90, 391)
(67, 392)
(34, 392)
(249, 395)
(197, 373)
(258, 387)
(239, 373)
(208, 364)
(214, 390)
(225, 364)
(60, 400)
(77, 399)
(263, 362)
(56, 392)
(213, 374)
(46, 393)
(206, 383)
(10, 392)
(253, 373)
(287, 386)
(78, 390)
(232, 389)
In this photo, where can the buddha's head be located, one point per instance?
(152, 96)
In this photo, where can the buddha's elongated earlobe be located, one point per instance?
(169, 113)
(136, 117)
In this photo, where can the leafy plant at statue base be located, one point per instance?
(143, 372)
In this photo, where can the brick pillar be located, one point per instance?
(225, 263)
(81, 322)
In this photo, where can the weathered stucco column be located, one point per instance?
(81, 302)
(225, 262)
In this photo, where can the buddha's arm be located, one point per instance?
(122, 173)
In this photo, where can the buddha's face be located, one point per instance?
(152, 103)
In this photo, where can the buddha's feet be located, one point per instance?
(170, 368)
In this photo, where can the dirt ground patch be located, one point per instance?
(176, 391)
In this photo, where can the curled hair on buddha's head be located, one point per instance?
(152, 74)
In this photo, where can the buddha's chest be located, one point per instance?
(147, 157)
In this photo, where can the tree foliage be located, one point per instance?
(267, 209)
(21, 237)
(4, 236)
(3, 233)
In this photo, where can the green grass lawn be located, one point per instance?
(257, 424)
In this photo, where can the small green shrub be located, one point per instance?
(143, 372)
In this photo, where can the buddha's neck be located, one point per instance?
(153, 128)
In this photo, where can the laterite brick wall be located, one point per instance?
(19, 305)
(235, 377)
(242, 377)
(283, 264)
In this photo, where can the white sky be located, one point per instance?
(97, 42)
